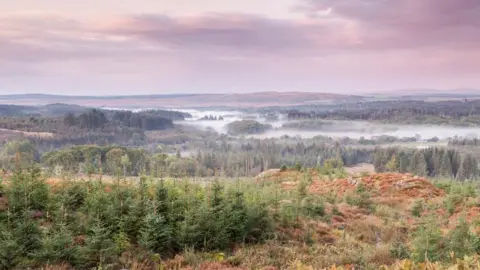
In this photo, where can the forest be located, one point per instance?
(457, 113)
(59, 125)
(247, 127)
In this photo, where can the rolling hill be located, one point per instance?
(259, 99)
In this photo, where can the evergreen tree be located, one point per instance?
(379, 160)
(456, 159)
(10, 248)
(393, 164)
(157, 234)
(57, 247)
(427, 245)
(463, 173)
(404, 162)
(437, 161)
(446, 167)
(462, 241)
(419, 164)
(98, 249)
(472, 166)
(429, 158)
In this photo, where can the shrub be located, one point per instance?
(417, 208)
(313, 207)
(400, 251)
(427, 243)
(451, 202)
(461, 241)
(360, 198)
(298, 167)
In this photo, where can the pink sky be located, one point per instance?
(107, 47)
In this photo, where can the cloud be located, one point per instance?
(336, 43)
(331, 27)
(394, 24)
(42, 37)
(235, 34)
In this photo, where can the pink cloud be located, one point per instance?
(348, 44)
(394, 24)
(344, 26)
(231, 34)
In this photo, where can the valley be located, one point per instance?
(327, 186)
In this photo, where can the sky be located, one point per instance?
(123, 47)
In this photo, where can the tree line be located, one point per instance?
(97, 119)
(412, 111)
(432, 162)
(459, 141)
(214, 158)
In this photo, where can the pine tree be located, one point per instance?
(446, 167)
(237, 218)
(473, 166)
(404, 162)
(58, 246)
(437, 161)
(463, 173)
(456, 159)
(99, 247)
(393, 164)
(419, 164)
(462, 241)
(427, 245)
(157, 234)
(379, 160)
(429, 158)
(10, 248)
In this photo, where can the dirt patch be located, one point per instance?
(382, 184)
(267, 174)
(469, 215)
(363, 168)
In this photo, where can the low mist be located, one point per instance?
(335, 129)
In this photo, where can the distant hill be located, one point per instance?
(459, 93)
(260, 99)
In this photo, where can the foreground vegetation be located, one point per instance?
(292, 219)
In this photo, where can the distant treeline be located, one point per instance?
(433, 162)
(247, 158)
(60, 109)
(464, 142)
(90, 126)
(465, 113)
(247, 127)
(97, 119)
(216, 158)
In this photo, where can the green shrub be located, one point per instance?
(298, 167)
(400, 251)
(428, 243)
(417, 208)
(461, 241)
(360, 198)
(451, 202)
(313, 207)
